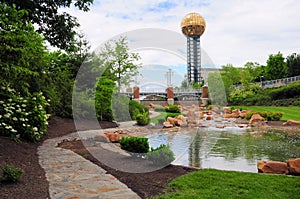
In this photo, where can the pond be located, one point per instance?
(226, 149)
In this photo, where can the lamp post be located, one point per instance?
(261, 83)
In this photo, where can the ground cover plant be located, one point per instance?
(162, 117)
(161, 155)
(10, 173)
(211, 183)
(135, 144)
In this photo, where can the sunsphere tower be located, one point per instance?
(193, 26)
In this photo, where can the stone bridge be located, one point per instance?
(169, 94)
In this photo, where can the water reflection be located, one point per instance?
(227, 150)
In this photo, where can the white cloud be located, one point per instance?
(237, 30)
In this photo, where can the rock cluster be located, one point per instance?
(115, 136)
(179, 120)
(292, 167)
(236, 113)
(257, 120)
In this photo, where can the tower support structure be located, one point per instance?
(193, 59)
(193, 26)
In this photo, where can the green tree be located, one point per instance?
(22, 51)
(119, 62)
(230, 76)
(255, 71)
(276, 67)
(57, 82)
(216, 88)
(184, 84)
(103, 98)
(59, 28)
(293, 64)
(196, 85)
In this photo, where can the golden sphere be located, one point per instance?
(193, 24)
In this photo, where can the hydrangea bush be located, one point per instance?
(23, 118)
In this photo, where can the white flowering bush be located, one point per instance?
(22, 118)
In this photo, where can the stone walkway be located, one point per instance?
(71, 176)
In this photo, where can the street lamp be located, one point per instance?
(261, 83)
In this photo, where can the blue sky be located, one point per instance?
(237, 31)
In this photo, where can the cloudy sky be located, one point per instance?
(237, 31)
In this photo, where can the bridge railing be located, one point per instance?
(275, 83)
(280, 82)
(187, 90)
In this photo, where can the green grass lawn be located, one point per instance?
(289, 113)
(211, 183)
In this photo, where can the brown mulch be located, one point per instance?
(33, 183)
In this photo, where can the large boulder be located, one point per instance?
(272, 167)
(226, 110)
(257, 120)
(201, 115)
(113, 137)
(291, 123)
(167, 125)
(181, 120)
(243, 114)
(294, 166)
(209, 117)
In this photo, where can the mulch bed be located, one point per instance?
(33, 183)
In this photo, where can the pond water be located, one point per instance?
(226, 149)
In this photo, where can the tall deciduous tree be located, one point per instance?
(216, 88)
(58, 28)
(276, 67)
(230, 77)
(121, 63)
(293, 64)
(22, 51)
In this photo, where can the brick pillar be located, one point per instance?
(204, 96)
(204, 92)
(170, 95)
(136, 93)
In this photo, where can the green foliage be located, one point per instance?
(280, 96)
(161, 155)
(22, 117)
(276, 67)
(103, 98)
(10, 173)
(230, 76)
(173, 108)
(197, 85)
(120, 107)
(269, 116)
(211, 183)
(83, 104)
(285, 92)
(59, 28)
(135, 144)
(136, 108)
(159, 109)
(293, 64)
(119, 62)
(216, 88)
(246, 94)
(21, 51)
(253, 72)
(143, 119)
(57, 83)
(172, 114)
